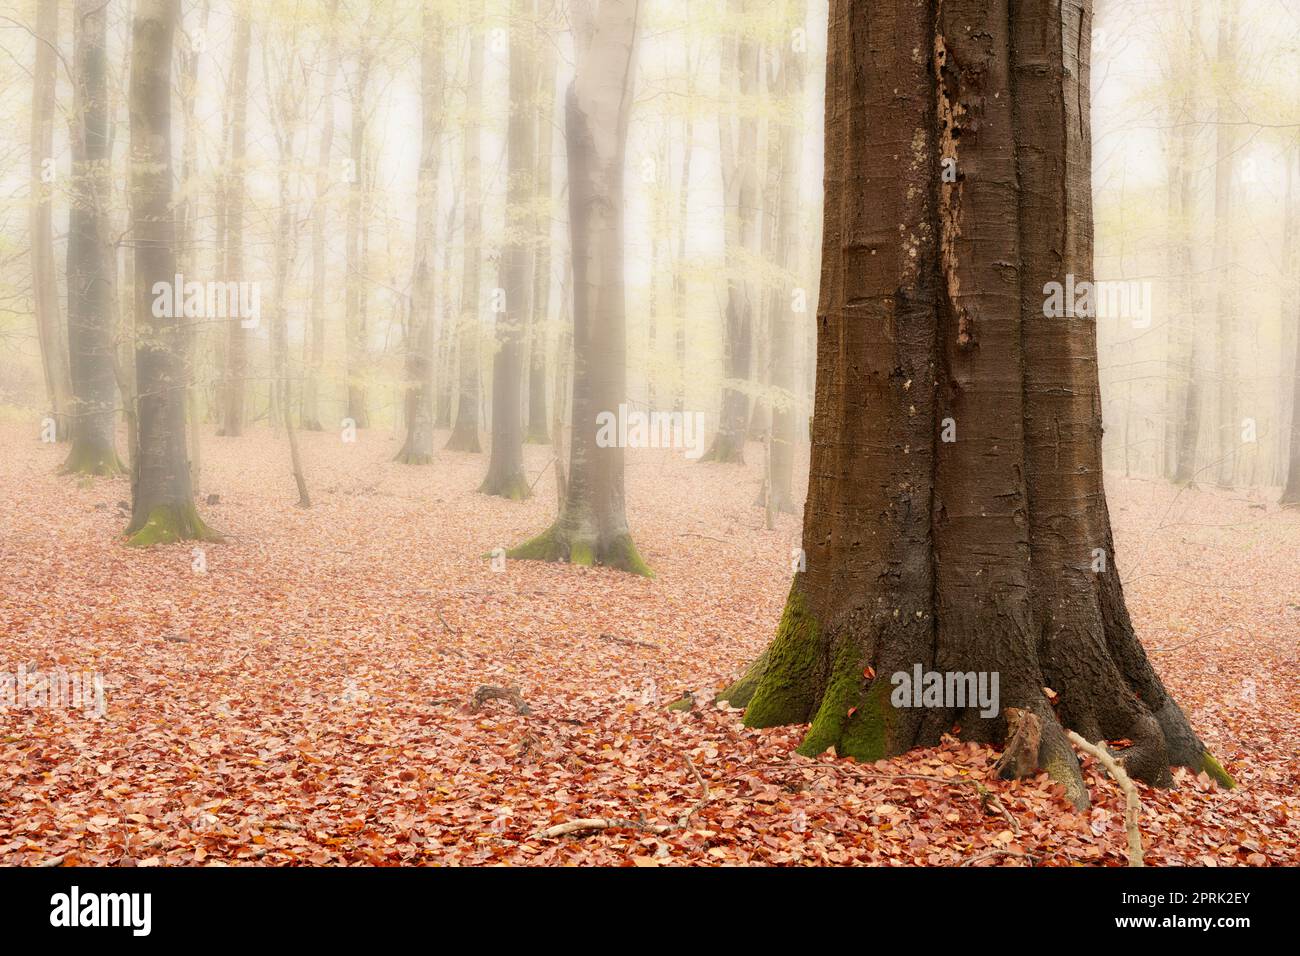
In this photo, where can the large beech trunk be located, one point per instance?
(90, 257)
(505, 477)
(163, 505)
(993, 552)
(592, 526)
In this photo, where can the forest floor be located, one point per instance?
(304, 699)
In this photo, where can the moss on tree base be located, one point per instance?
(1214, 770)
(554, 544)
(167, 524)
(513, 488)
(85, 458)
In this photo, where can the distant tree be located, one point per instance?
(234, 179)
(592, 525)
(90, 263)
(420, 342)
(464, 436)
(162, 508)
(537, 330)
(990, 553)
(505, 477)
(45, 291)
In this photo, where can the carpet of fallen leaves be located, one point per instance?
(304, 700)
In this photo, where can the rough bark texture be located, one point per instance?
(45, 292)
(234, 180)
(418, 447)
(464, 436)
(505, 476)
(90, 261)
(976, 555)
(162, 507)
(739, 154)
(310, 417)
(592, 526)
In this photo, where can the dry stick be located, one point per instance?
(629, 642)
(1132, 808)
(992, 853)
(587, 824)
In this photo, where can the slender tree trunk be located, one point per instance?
(787, 84)
(464, 437)
(1228, 445)
(1290, 307)
(1183, 414)
(356, 292)
(420, 342)
(90, 280)
(236, 385)
(541, 311)
(592, 525)
(505, 476)
(739, 155)
(990, 554)
(162, 509)
(310, 417)
(679, 269)
(45, 290)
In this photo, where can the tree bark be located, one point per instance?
(592, 525)
(45, 290)
(464, 436)
(236, 377)
(978, 555)
(739, 154)
(310, 416)
(162, 508)
(420, 342)
(90, 279)
(505, 476)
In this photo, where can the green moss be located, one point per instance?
(541, 548)
(85, 458)
(167, 524)
(581, 553)
(784, 693)
(552, 545)
(862, 734)
(741, 692)
(1215, 770)
(622, 554)
(683, 703)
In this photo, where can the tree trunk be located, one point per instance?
(162, 508)
(505, 476)
(541, 311)
(1183, 383)
(90, 280)
(236, 384)
(464, 437)
(786, 84)
(1291, 265)
(592, 525)
(356, 292)
(45, 290)
(1228, 445)
(990, 554)
(420, 342)
(310, 416)
(738, 152)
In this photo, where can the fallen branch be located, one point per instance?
(492, 692)
(1132, 808)
(989, 854)
(629, 642)
(589, 824)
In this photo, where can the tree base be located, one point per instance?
(554, 544)
(407, 457)
(512, 487)
(806, 676)
(726, 450)
(464, 439)
(537, 437)
(167, 524)
(85, 458)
